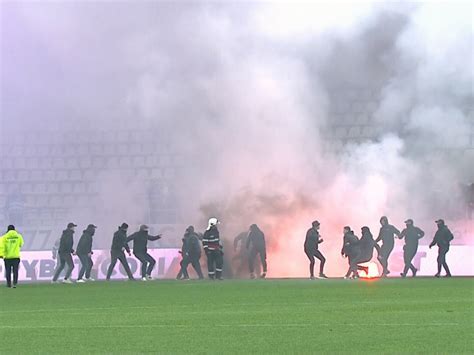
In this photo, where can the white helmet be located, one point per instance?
(213, 221)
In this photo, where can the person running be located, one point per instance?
(442, 239)
(256, 246)
(140, 250)
(387, 236)
(351, 250)
(10, 246)
(84, 252)
(65, 252)
(191, 253)
(412, 235)
(119, 245)
(311, 249)
(366, 249)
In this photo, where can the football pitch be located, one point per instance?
(422, 315)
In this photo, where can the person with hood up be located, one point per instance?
(191, 254)
(366, 249)
(256, 246)
(65, 252)
(351, 250)
(84, 252)
(119, 245)
(387, 236)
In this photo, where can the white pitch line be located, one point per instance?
(257, 325)
(159, 307)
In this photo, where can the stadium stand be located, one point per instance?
(43, 177)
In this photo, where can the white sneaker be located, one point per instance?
(90, 279)
(67, 281)
(54, 282)
(80, 281)
(144, 279)
(148, 277)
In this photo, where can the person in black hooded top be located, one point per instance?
(84, 252)
(311, 249)
(119, 245)
(387, 236)
(191, 253)
(256, 246)
(140, 250)
(366, 249)
(65, 252)
(351, 250)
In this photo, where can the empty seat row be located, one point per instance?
(76, 177)
(72, 150)
(125, 161)
(84, 137)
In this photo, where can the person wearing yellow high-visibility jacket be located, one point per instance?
(10, 245)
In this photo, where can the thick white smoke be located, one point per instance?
(243, 93)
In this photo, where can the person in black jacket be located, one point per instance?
(366, 249)
(367, 245)
(241, 255)
(119, 245)
(311, 249)
(256, 246)
(412, 235)
(65, 252)
(387, 236)
(140, 242)
(442, 239)
(351, 250)
(183, 273)
(212, 246)
(84, 252)
(191, 253)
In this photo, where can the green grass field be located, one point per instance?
(265, 316)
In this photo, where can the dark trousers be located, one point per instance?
(194, 261)
(64, 258)
(215, 262)
(363, 258)
(384, 254)
(315, 254)
(86, 266)
(263, 258)
(353, 261)
(12, 265)
(148, 263)
(118, 255)
(442, 251)
(409, 253)
(183, 268)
